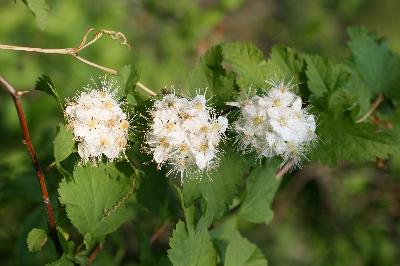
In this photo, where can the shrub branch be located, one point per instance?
(16, 95)
(86, 41)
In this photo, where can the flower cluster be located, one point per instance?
(275, 124)
(98, 123)
(185, 133)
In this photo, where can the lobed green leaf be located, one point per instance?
(218, 189)
(240, 252)
(191, 248)
(95, 200)
(260, 191)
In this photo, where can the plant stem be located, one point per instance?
(374, 106)
(74, 52)
(93, 254)
(39, 172)
(158, 232)
(284, 169)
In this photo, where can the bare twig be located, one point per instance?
(145, 89)
(16, 95)
(93, 254)
(374, 106)
(85, 42)
(284, 169)
(158, 233)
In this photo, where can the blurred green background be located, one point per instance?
(344, 216)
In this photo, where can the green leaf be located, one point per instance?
(336, 91)
(157, 184)
(260, 191)
(128, 76)
(152, 182)
(192, 248)
(45, 84)
(288, 61)
(335, 87)
(248, 63)
(324, 76)
(41, 11)
(63, 143)
(342, 139)
(95, 199)
(36, 239)
(63, 261)
(240, 252)
(217, 190)
(209, 73)
(377, 65)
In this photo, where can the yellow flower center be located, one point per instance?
(164, 142)
(204, 129)
(103, 141)
(199, 106)
(282, 121)
(121, 142)
(204, 147)
(108, 105)
(170, 126)
(124, 125)
(183, 148)
(92, 123)
(184, 115)
(257, 120)
(277, 103)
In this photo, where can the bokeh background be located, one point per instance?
(344, 216)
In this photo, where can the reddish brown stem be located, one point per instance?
(158, 233)
(95, 251)
(16, 95)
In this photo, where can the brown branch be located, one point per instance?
(16, 95)
(93, 254)
(158, 233)
(83, 44)
(374, 106)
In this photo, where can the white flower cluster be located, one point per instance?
(185, 133)
(275, 124)
(98, 123)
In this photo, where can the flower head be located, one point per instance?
(98, 123)
(275, 124)
(185, 133)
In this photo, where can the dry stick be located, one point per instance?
(74, 52)
(374, 106)
(16, 95)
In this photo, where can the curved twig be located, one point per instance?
(120, 37)
(374, 106)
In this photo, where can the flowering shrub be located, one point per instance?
(220, 156)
